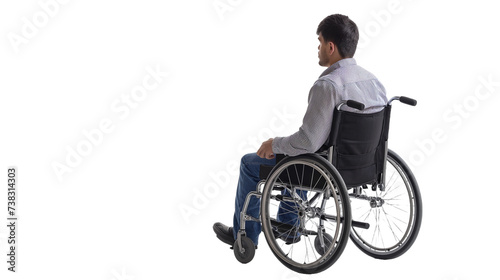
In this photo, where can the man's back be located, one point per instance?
(341, 81)
(352, 81)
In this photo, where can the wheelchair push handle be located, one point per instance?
(355, 104)
(360, 106)
(405, 100)
(408, 101)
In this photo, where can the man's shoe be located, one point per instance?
(224, 233)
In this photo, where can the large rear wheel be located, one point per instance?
(305, 213)
(394, 213)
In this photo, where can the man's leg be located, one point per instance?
(247, 182)
(287, 213)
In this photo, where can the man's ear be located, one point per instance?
(331, 48)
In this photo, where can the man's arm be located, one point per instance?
(315, 127)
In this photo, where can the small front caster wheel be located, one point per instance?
(246, 252)
(327, 242)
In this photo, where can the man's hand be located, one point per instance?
(266, 149)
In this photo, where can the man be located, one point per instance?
(342, 80)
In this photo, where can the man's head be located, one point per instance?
(338, 36)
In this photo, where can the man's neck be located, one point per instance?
(334, 60)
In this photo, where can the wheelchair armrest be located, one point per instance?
(265, 170)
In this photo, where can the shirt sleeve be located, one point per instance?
(316, 123)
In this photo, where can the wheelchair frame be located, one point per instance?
(244, 248)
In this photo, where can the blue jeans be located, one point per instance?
(247, 182)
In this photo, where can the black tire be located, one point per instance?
(318, 201)
(395, 224)
(248, 250)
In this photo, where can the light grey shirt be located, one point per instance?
(341, 81)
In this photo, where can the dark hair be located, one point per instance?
(342, 31)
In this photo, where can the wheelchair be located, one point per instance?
(354, 187)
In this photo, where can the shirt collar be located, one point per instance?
(341, 63)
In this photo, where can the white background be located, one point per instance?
(121, 211)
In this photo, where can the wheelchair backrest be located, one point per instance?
(359, 144)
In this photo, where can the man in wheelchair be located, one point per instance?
(342, 80)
